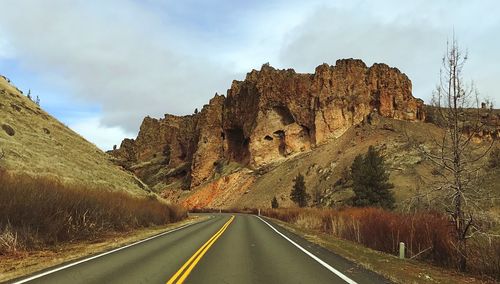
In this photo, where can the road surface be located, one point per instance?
(225, 248)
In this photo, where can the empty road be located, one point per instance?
(225, 248)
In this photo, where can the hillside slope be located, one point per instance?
(37, 144)
(325, 168)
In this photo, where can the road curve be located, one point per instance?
(222, 249)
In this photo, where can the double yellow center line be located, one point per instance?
(181, 275)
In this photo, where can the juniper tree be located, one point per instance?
(371, 181)
(274, 203)
(299, 194)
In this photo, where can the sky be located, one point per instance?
(101, 66)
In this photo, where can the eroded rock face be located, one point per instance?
(163, 151)
(210, 147)
(270, 116)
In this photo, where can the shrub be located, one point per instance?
(494, 159)
(274, 203)
(41, 211)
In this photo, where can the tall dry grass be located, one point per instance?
(39, 212)
(428, 235)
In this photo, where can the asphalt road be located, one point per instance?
(222, 249)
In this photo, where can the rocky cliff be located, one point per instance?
(270, 116)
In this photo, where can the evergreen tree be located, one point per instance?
(274, 203)
(299, 194)
(371, 181)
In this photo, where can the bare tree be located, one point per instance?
(456, 110)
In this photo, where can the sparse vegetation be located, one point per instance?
(371, 181)
(37, 212)
(299, 194)
(427, 234)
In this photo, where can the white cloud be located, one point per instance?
(5, 49)
(134, 58)
(116, 53)
(102, 136)
(410, 36)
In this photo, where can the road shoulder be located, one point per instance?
(26, 263)
(389, 266)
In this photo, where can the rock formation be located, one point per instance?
(271, 115)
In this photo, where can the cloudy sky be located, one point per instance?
(100, 66)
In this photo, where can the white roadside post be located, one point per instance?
(259, 211)
(401, 250)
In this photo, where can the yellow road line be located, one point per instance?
(193, 260)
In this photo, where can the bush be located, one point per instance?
(274, 203)
(41, 212)
(494, 159)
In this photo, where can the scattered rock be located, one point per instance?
(388, 126)
(8, 129)
(15, 107)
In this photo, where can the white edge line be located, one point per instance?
(102, 254)
(326, 265)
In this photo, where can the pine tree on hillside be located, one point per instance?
(299, 194)
(274, 203)
(371, 181)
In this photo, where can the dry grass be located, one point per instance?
(40, 212)
(43, 146)
(390, 266)
(427, 235)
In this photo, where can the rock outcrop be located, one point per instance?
(270, 116)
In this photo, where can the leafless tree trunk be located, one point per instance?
(457, 109)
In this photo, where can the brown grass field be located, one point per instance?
(41, 212)
(427, 235)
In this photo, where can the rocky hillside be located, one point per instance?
(326, 170)
(270, 117)
(35, 143)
